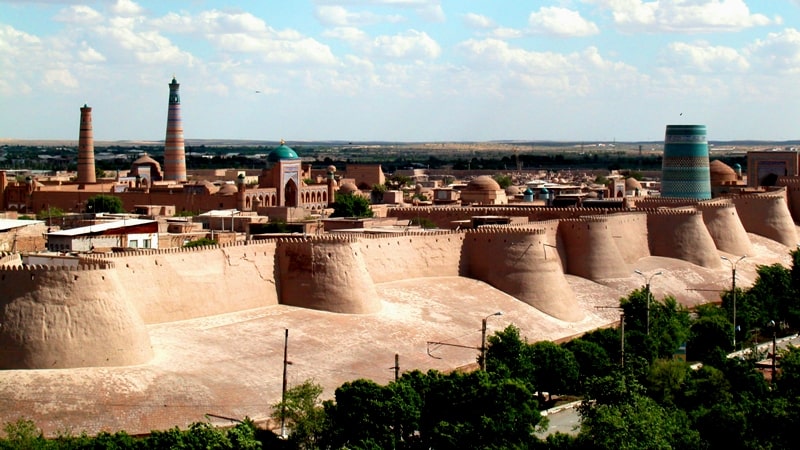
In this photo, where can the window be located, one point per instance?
(133, 244)
(145, 243)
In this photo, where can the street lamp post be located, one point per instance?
(774, 349)
(483, 338)
(649, 294)
(733, 290)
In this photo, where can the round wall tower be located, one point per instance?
(174, 151)
(685, 170)
(86, 174)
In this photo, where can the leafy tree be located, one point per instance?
(104, 203)
(592, 358)
(351, 205)
(709, 339)
(303, 414)
(789, 377)
(503, 180)
(506, 354)
(665, 381)
(555, 370)
(50, 213)
(200, 242)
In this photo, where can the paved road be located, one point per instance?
(564, 419)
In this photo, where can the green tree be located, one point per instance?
(202, 242)
(710, 336)
(503, 180)
(592, 359)
(506, 354)
(50, 213)
(104, 203)
(302, 413)
(555, 370)
(351, 205)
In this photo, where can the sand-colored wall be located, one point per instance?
(177, 284)
(767, 215)
(327, 274)
(513, 260)
(682, 234)
(792, 185)
(444, 217)
(56, 318)
(590, 249)
(629, 233)
(413, 255)
(723, 224)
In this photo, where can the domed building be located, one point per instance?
(147, 170)
(483, 190)
(633, 188)
(281, 185)
(721, 173)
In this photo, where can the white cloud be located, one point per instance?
(126, 8)
(549, 73)
(89, 55)
(410, 44)
(778, 52)
(430, 10)
(705, 57)
(506, 33)
(560, 22)
(478, 21)
(339, 16)
(695, 16)
(59, 78)
(79, 15)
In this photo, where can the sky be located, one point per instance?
(401, 70)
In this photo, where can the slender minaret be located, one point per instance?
(174, 152)
(86, 173)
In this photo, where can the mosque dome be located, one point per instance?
(348, 188)
(483, 183)
(146, 159)
(721, 172)
(512, 190)
(528, 191)
(228, 189)
(632, 184)
(282, 152)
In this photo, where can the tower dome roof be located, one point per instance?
(721, 172)
(281, 152)
(632, 184)
(483, 183)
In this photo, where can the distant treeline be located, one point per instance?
(119, 157)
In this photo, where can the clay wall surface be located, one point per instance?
(662, 202)
(413, 255)
(74, 201)
(767, 215)
(10, 259)
(629, 233)
(792, 185)
(328, 274)
(177, 284)
(725, 227)
(590, 249)
(682, 234)
(444, 216)
(513, 260)
(53, 317)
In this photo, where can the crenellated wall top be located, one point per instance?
(507, 229)
(34, 268)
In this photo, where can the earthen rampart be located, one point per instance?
(725, 227)
(515, 261)
(792, 186)
(630, 235)
(590, 249)
(58, 317)
(328, 274)
(681, 234)
(767, 215)
(413, 255)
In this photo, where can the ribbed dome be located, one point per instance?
(631, 184)
(228, 189)
(483, 183)
(146, 159)
(721, 172)
(281, 152)
(348, 188)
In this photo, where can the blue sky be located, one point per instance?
(402, 70)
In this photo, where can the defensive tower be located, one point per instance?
(174, 151)
(86, 174)
(685, 165)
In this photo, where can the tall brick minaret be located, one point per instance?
(174, 151)
(86, 174)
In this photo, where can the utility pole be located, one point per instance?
(733, 291)
(283, 390)
(396, 366)
(622, 340)
(649, 294)
(481, 348)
